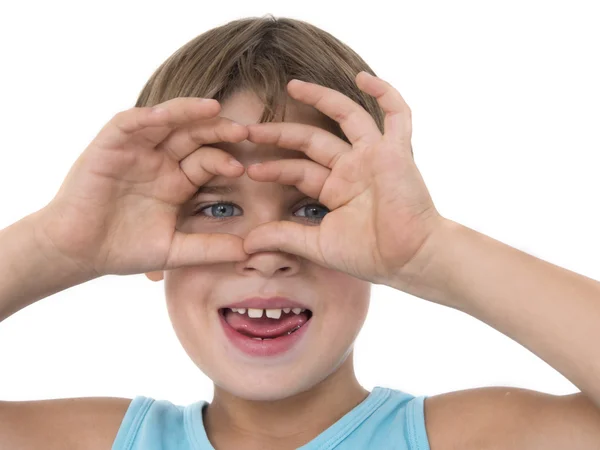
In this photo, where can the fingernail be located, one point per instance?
(296, 80)
(157, 110)
(236, 163)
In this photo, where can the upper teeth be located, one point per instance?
(271, 313)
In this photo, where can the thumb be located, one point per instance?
(284, 236)
(190, 249)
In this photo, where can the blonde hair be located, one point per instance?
(261, 54)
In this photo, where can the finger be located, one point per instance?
(284, 236)
(183, 141)
(356, 123)
(308, 176)
(398, 120)
(207, 162)
(319, 145)
(157, 125)
(190, 249)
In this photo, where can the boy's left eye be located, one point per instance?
(312, 210)
(221, 210)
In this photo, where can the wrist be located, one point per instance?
(424, 275)
(39, 223)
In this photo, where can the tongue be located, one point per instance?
(265, 327)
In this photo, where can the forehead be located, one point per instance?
(245, 107)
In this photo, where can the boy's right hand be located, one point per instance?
(117, 208)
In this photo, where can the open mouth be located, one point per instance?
(266, 325)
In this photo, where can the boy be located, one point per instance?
(267, 268)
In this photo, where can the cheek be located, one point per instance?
(189, 283)
(348, 298)
(187, 294)
(196, 224)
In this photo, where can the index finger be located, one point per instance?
(358, 125)
(318, 144)
(158, 121)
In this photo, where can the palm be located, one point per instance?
(368, 189)
(142, 188)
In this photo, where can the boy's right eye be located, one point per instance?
(216, 210)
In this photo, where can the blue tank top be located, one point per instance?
(386, 419)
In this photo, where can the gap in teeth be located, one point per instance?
(275, 313)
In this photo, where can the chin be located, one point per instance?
(275, 385)
(265, 390)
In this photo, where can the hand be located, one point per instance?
(116, 211)
(381, 211)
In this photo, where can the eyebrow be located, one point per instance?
(230, 189)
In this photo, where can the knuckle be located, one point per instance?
(170, 151)
(308, 141)
(213, 159)
(220, 132)
(197, 134)
(200, 132)
(334, 160)
(118, 117)
(341, 116)
(386, 84)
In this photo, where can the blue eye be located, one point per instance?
(217, 210)
(224, 210)
(312, 212)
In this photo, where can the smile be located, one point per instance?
(259, 332)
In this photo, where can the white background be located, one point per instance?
(505, 100)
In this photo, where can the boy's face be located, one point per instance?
(338, 302)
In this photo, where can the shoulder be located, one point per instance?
(74, 423)
(511, 418)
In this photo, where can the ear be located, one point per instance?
(155, 276)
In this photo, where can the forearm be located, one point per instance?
(552, 311)
(31, 269)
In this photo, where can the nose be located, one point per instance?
(269, 264)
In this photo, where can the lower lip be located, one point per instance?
(255, 347)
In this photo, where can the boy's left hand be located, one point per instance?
(381, 212)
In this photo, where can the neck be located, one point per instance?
(289, 423)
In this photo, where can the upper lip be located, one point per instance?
(267, 303)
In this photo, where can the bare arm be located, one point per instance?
(550, 310)
(32, 268)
